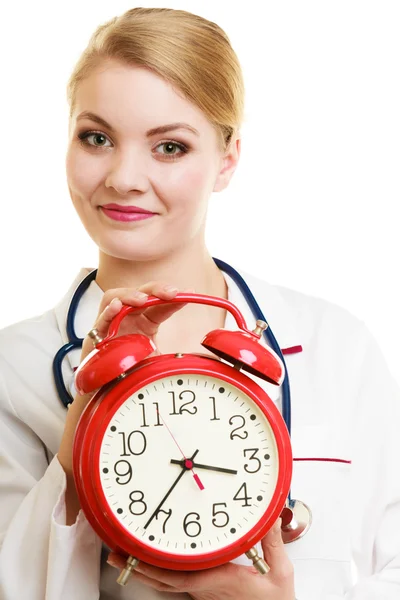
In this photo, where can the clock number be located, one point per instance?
(143, 415)
(233, 432)
(252, 457)
(193, 523)
(245, 497)
(191, 412)
(127, 443)
(158, 424)
(220, 512)
(215, 418)
(182, 409)
(166, 512)
(139, 501)
(126, 474)
(173, 404)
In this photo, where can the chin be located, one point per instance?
(139, 245)
(134, 253)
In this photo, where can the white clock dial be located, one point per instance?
(188, 416)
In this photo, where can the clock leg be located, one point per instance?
(258, 562)
(131, 564)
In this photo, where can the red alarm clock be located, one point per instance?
(181, 460)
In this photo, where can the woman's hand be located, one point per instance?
(146, 321)
(227, 582)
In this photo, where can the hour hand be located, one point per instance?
(185, 463)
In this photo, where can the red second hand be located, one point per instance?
(188, 463)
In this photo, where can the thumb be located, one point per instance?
(274, 550)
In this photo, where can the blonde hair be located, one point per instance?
(193, 54)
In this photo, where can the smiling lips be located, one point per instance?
(118, 212)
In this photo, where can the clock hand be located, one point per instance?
(195, 476)
(168, 493)
(170, 432)
(185, 463)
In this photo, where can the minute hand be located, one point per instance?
(199, 466)
(181, 474)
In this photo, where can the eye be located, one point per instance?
(170, 146)
(85, 135)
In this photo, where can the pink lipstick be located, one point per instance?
(119, 212)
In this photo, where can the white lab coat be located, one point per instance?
(345, 406)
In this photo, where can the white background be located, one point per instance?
(314, 203)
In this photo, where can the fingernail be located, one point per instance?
(114, 300)
(170, 288)
(141, 295)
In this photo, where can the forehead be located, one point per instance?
(137, 99)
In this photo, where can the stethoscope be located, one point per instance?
(296, 517)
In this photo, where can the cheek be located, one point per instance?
(190, 185)
(196, 174)
(83, 174)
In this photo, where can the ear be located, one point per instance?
(229, 164)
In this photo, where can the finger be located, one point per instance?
(129, 296)
(142, 571)
(102, 324)
(191, 581)
(107, 314)
(177, 580)
(135, 298)
(104, 319)
(117, 561)
(159, 314)
(173, 579)
(275, 553)
(217, 578)
(156, 315)
(153, 583)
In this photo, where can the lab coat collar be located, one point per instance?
(277, 311)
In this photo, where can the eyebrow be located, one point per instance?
(154, 131)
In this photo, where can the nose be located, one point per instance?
(127, 172)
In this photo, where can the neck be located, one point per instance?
(183, 269)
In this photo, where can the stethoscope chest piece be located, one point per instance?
(296, 521)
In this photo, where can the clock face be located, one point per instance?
(188, 464)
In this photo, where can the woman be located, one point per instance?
(143, 71)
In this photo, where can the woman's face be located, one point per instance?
(171, 173)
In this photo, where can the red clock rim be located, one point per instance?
(94, 423)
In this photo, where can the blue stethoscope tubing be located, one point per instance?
(75, 342)
(269, 336)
